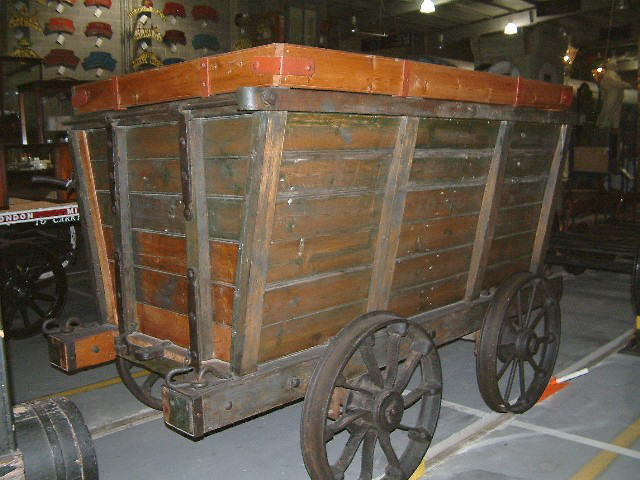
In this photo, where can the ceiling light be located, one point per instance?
(510, 28)
(427, 7)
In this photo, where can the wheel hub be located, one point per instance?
(527, 344)
(388, 410)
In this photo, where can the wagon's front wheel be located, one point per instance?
(518, 343)
(375, 392)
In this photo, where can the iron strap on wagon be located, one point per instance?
(285, 219)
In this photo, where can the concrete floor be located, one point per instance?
(591, 429)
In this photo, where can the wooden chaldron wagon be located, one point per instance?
(285, 221)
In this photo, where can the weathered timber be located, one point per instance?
(422, 298)
(257, 226)
(488, 212)
(436, 233)
(313, 294)
(84, 347)
(442, 202)
(323, 254)
(549, 201)
(89, 208)
(382, 272)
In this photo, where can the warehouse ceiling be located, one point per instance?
(592, 25)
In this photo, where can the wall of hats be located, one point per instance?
(84, 39)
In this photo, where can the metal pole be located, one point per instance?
(7, 433)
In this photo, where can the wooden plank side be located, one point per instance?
(426, 268)
(298, 334)
(100, 174)
(520, 192)
(322, 254)
(488, 212)
(382, 272)
(90, 209)
(424, 205)
(284, 303)
(227, 136)
(513, 246)
(422, 298)
(153, 141)
(527, 162)
(305, 172)
(517, 219)
(328, 131)
(169, 292)
(437, 233)
(163, 324)
(226, 175)
(164, 213)
(548, 209)
(535, 135)
(448, 169)
(303, 217)
(97, 141)
(498, 273)
(459, 134)
(103, 205)
(258, 217)
(229, 71)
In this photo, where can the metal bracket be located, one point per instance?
(192, 312)
(152, 352)
(117, 260)
(111, 167)
(185, 167)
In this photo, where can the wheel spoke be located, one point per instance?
(369, 359)
(428, 389)
(536, 368)
(41, 313)
(364, 389)
(417, 434)
(519, 308)
(512, 375)
(349, 451)
(150, 382)
(11, 313)
(393, 356)
(25, 316)
(531, 301)
(504, 367)
(343, 422)
(523, 387)
(385, 442)
(368, 450)
(44, 296)
(536, 320)
(406, 371)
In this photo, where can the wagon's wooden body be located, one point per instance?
(240, 209)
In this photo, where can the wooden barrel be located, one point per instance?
(54, 441)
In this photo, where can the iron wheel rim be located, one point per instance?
(369, 415)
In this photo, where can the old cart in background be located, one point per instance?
(244, 212)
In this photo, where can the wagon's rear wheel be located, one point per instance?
(34, 287)
(518, 343)
(144, 384)
(378, 389)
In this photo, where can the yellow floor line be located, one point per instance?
(419, 471)
(598, 464)
(91, 386)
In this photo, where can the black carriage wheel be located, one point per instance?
(518, 343)
(635, 284)
(345, 414)
(142, 388)
(34, 287)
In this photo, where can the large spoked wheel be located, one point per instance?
(635, 284)
(34, 287)
(518, 343)
(144, 385)
(364, 398)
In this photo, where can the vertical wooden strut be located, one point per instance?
(199, 294)
(122, 234)
(391, 216)
(91, 225)
(257, 224)
(549, 202)
(488, 212)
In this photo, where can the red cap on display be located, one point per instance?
(174, 9)
(98, 29)
(60, 25)
(61, 56)
(204, 12)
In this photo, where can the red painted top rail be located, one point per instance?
(315, 68)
